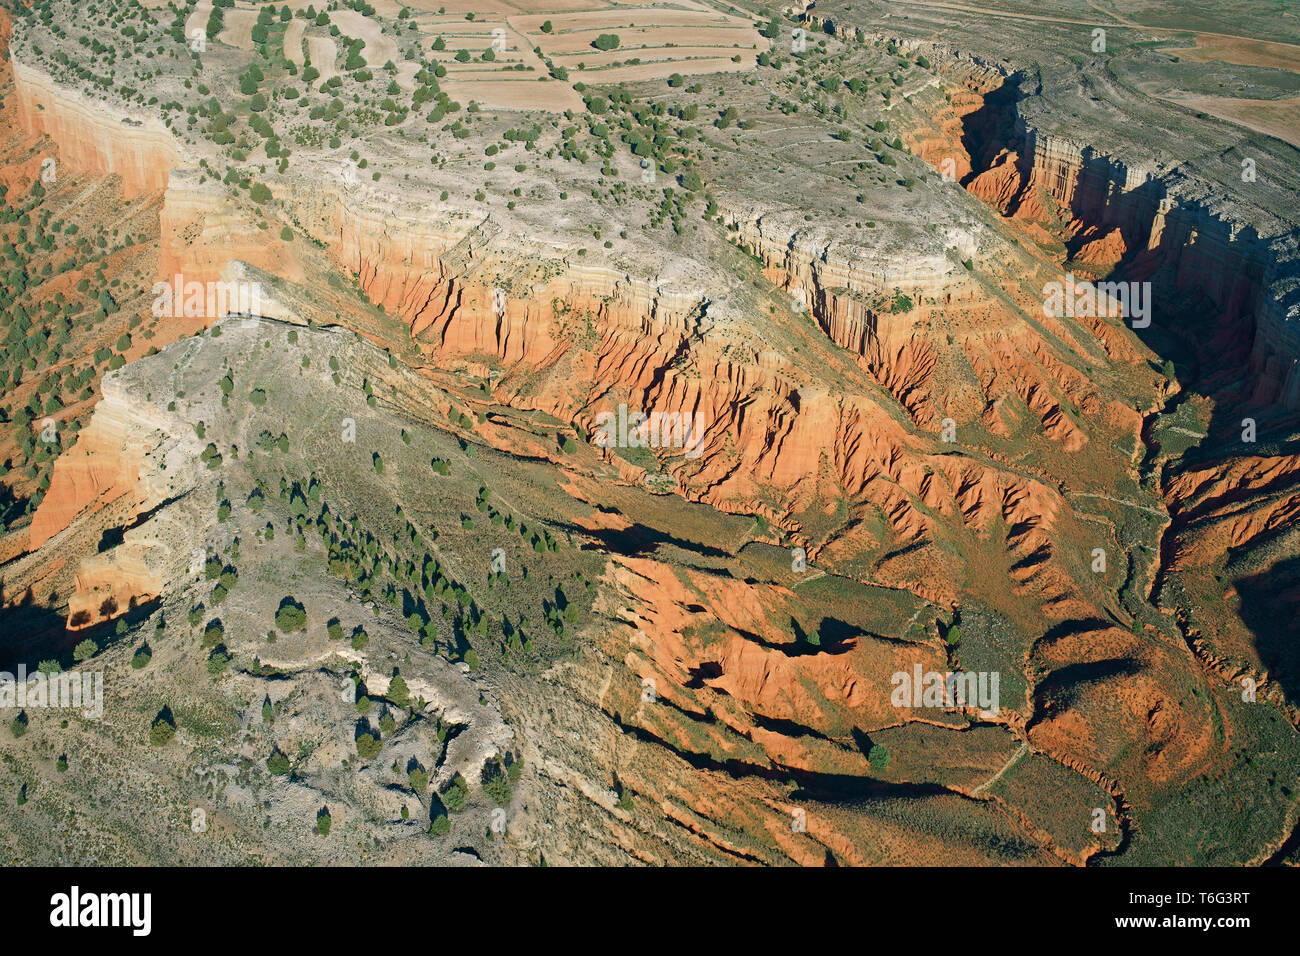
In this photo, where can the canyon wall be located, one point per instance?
(96, 135)
(104, 464)
(1250, 280)
(1120, 213)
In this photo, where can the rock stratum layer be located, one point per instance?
(902, 462)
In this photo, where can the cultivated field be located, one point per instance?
(1280, 118)
(664, 41)
(238, 31)
(1211, 48)
(379, 48)
(323, 53)
(654, 42)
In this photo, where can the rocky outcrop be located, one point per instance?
(94, 135)
(1141, 219)
(203, 229)
(103, 466)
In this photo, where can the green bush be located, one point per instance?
(291, 616)
(218, 660)
(277, 763)
(398, 692)
(457, 796)
(498, 788)
(878, 757)
(162, 731)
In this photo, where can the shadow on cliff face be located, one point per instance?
(1207, 278)
(639, 540)
(32, 632)
(1206, 273)
(1270, 602)
(992, 128)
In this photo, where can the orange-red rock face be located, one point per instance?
(103, 466)
(203, 230)
(110, 584)
(141, 151)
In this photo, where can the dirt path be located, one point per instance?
(1014, 759)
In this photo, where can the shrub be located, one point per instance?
(163, 730)
(368, 746)
(85, 650)
(498, 788)
(213, 634)
(878, 757)
(218, 660)
(457, 796)
(277, 763)
(291, 616)
(18, 726)
(323, 822)
(606, 41)
(398, 692)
